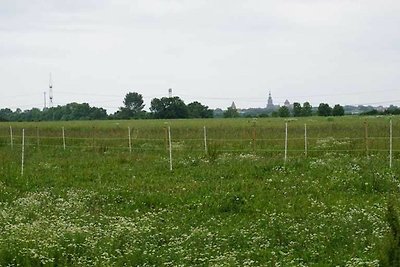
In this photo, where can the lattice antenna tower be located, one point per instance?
(50, 91)
(44, 100)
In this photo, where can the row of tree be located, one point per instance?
(161, 108)
(307, 110)
(297, 110)
(392, 110)
(167, 108)
(72, 111)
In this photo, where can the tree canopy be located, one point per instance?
(337, 110)
(71, 111)
(169, 108)
(306, 110)
(324, 110)
(231, 113)
(197, 110)
(284, 111)
(133, 107)
(297, 110)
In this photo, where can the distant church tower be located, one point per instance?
(270, 104)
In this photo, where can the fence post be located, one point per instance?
(286, 140)
(391, 144)
(11, 138)
(63, 136)
(130, 142)
(93, 139)
(254, 135)
(170, 148)
(366, 137)
(305, 140)
(23, 152)
(205, 140)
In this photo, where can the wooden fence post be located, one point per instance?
(170, 148)
(23, 152)
(305, 140)
(129, 137)
(366, 137)
(286, 140)
(11, 138)
(391, 144)
(205, 140)
(63, 136)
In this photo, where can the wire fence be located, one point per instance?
(287, 141)
(298, 144)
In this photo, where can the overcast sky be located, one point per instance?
(212, 51)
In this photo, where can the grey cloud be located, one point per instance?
(220, 48)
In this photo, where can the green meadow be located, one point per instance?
(109, 198)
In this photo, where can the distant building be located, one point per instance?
(233, 106)
(270, 103)
(287, 104)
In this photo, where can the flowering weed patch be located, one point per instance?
(82, 207)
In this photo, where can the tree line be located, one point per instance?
(169, 108)
(296, 110)
(163, 108)
(71, 111)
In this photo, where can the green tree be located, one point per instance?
(297, 110)
(134, 102)
(231, 113)
(73, 111)
(338, 110)
(33, 114)
(324, 110)
(284, 111)
(98, 113)
(133, 106)
(307, 109)
(6, 114)
(392, 110)
(197, 110)
(169, 108)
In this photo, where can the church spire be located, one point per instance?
(270, 104)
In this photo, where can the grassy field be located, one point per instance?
(95, 203)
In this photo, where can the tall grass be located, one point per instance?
(96, 204)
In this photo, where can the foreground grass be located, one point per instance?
(103, 208)
(96, 204)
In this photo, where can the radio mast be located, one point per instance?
(44, 98)
(50, 91)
